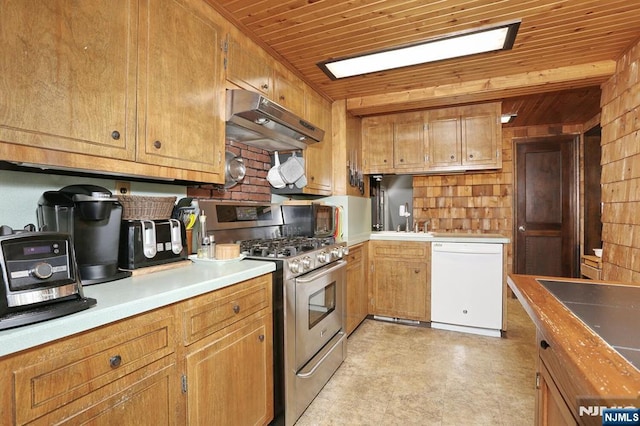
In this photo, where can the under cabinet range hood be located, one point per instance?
(255, 120)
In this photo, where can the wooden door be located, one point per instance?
(69, 75)
(181, 91)
(408, 142)
(377, 145)
(230, 379)
(546, 211)
(400, 289)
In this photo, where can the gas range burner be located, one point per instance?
(283, 247)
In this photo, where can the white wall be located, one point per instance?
(20, 192)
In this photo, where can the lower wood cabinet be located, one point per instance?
(400, 280)
(557, 390)
(207, 360)
(228, 376)
(357, 304)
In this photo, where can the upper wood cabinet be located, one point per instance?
(69, 75)
(248, 69)
(394, 143)
(318, 156)
(377, 144)
(180, 92)
(441, 140)
(138, 82)
(465, 138)
(289, 91)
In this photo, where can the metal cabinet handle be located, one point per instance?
(157, 144)
(261, 337)
(236, 309)
(115, 361)
(115, 135)
(544, 344)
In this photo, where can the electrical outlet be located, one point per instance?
(122, 187)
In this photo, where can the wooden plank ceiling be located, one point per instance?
(563, 47)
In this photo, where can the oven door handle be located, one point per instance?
(321, 272)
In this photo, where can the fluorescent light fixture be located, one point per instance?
(507, 118)
(500, 37)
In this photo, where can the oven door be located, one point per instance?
(319, 309)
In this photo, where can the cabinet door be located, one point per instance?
(247, 69)
(480, 136)
(318, 156)
(230, 378)
(288, 91)
(444, 139)
(356, 288)
(409, 145)
(400, 289)
(551, 409)
(377, 145)
(69, 75)
(181, 96)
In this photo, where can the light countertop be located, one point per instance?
(449, 237)
(131, 296)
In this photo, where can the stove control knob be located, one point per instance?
(306, 263)
(336, 253)
(295, 267)
(323, 257)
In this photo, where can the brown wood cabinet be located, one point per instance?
(357, 294)
(246, 68)
(288, 91)
(556, 397)
(180, 88)
(206, 360)
(229, 355)
(318, 157)
(440, 140)
(465, 138)
(123, 373)
(126, 87)
(377, 144)
(400, 279)
(71, 90)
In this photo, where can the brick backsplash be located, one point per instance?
(254, 187)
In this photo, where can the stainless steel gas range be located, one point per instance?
(308, 294)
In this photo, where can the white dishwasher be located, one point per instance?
(467, 287)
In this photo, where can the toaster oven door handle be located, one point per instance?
(176, 236)
(149, 238)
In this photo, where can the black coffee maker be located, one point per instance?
(92, 216)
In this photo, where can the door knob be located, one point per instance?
(521, 228)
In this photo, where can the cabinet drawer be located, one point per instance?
(61, 373)
(212, 312)
(401, 249)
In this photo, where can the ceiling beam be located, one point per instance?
(490, 89)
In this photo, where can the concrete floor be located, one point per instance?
(402, 375)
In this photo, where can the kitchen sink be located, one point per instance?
(611, 311)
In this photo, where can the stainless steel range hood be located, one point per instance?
(255, 120)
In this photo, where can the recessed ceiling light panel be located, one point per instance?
(490, 39)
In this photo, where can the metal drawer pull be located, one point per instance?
(115, 361)
(544, 344)
(236, 309)
(261, 337)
